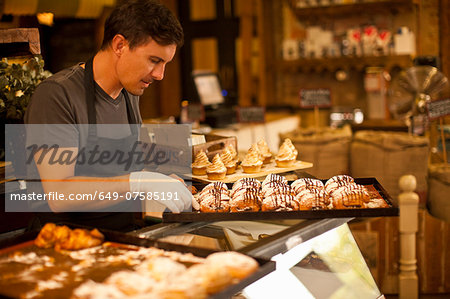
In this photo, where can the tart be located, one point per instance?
(287, 154)
(233, 152)
(217, 170)
(265, 151)
(200, 163)
(252, 162)
(228, 161)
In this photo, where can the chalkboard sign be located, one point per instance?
(310, 98)
(252, 114)
(195, 112)
(438, 108)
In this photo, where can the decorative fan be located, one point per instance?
(412, 89)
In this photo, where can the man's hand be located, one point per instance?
(165, 190)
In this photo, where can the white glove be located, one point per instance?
(163, 191)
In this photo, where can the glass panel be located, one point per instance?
(229, 235)
(202, 10)
(205, 54)
(327, 266)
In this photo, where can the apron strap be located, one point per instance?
(89, 85)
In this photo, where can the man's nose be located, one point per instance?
(158, 72)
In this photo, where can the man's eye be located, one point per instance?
(155, 61)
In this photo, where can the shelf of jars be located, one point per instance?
(304, 11)
(332, 64)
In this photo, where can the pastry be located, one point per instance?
(51, 234)
(245, 183)
(337, 181)
(306, 183)
(287, 154)
(274, 178)
(280, 199)
(252, 162)
(161, 268)
(184, 286)
(209, 276)
(215, 201)
(275, 187)
(350, 187)
(92, 290)
(213, 187)
(193, 190)
(246, 200)
(131, 282)
(62, 237)
(214, 198)
(313, 199)
(217, 170)
(349, 198)
(81, 239)
(265, 151)
(200, 163)
(376, 203)
(255, 148)
(228, 161)
(273, 181)
(237, 264)
(233, 152)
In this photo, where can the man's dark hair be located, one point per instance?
(139, 20)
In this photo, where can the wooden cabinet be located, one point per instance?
(332, 64)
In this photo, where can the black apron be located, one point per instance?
(120, 221)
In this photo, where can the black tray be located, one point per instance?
(265, 266)
(277, 215)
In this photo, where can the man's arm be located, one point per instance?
(60, 177)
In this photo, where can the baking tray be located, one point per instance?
(25, 242)
(373, 184)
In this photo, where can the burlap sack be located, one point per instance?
(328, 149)
(389, 155)
(439, 191)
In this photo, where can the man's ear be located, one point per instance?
(118, 44)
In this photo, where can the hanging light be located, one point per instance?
(45, 18)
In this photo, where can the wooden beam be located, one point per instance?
(444, 20)
(270, 33)
(245, 76)
(18, 36)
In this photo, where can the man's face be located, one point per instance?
(138, 67)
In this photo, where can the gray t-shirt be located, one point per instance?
(60, 99)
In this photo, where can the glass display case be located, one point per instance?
(314, 258)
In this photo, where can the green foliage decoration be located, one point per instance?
(17, 84)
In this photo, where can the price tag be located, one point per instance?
(253, 114)
(310, 98)
(195, 112)
(439, 108)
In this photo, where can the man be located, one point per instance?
(140, 38)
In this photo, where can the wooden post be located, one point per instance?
(316, 118)
(408, 203)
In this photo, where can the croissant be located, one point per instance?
(62, 237)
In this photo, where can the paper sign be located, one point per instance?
(253, 114)
(195, 112)
(439, 108)
(310, 98)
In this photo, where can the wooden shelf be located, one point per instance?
(19, 42)
(332, 64)
(345, 10)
